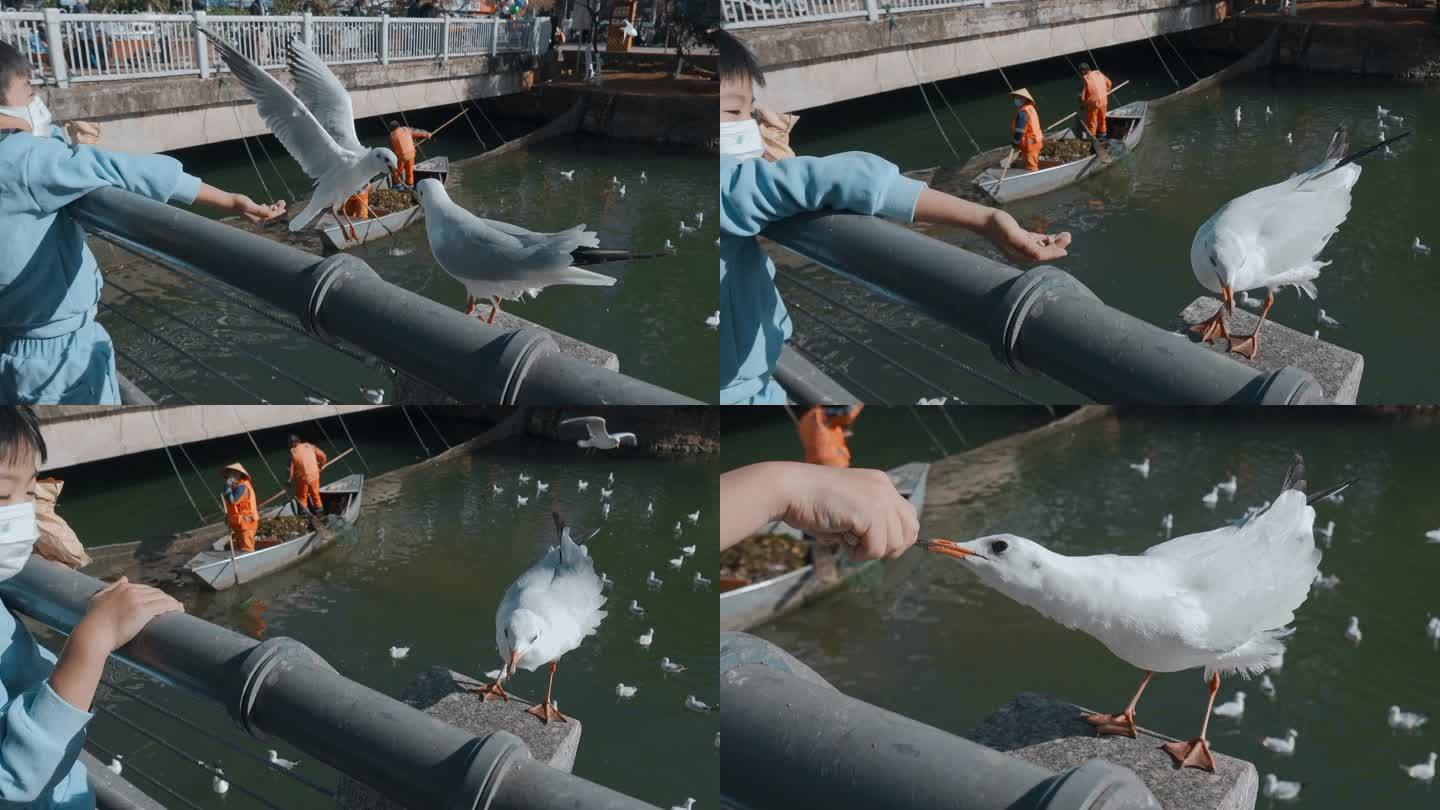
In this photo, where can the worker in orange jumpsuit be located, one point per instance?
(1028, 137)
(241, 513)
(1094, 99)
(358, 207)
(823, 429)
(402, 143)
(306, 460)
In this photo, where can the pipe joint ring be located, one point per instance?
(1029, 291)
(1289, 386)
(323, 276)
(259, 669)
(496, 752)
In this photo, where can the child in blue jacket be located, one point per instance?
(754, 193)
(51, 348)
(44, 700)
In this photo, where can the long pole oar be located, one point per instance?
(234, 566)
(1004, 171)
(436, 131)
(1112, 92)
(322, 469)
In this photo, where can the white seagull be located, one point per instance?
(1267, 111)
(1432, 631)
(398, 653)
(646, 637)
(1405, 721)
(600, 438)
(689, 805)
(1234, 709)
(666, 665)
(606, 493)
(636, 609)
(1271, 237)
(649, 507)
(280, 762)
(495, 260)
(1282, 745)
(1424, 771)
(669, 246)
(606, 581)
(1168, 524)
(629, 30)
(1228, 487)
(605, 510)
(677, 562)
(570, 175)
(622, 192)
(700, 581)
(497, 489)
(1290, 138)
(1211, 498)
(1244, 300)
(374, 396)
(694, 517)
(217, 781)
(624, 692)
(523, 478)
(1220, 599)
(1237, 116)
(694, 704)
(1276, 788)
(652, 581)
(713, 320)
(677, 528)
(643, 178)
(546, 612)
(684, 229)
(317, 128)
(1327, 532)
(688, 551)
(1419, 248)
(1432, 536)
(1143, 468)
(115, 765)
(1326, 320)
(1326, 581)
(1352, 630)
(541, 486)
(581, 486)
(521, 500)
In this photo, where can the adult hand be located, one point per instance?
(1020, 244)
(859, 508)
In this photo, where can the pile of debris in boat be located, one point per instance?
(761, 558)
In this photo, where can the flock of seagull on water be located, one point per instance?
(1272, 237)
(1234, 709)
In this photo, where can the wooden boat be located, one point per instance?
(377, 228)
(1126, 125)
(752, 604)
(341, 506)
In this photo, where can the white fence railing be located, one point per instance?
(64, 48)
(754, 13)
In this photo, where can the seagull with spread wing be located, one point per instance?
(600, 438)
(317, 128)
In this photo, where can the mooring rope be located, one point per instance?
(335, 448)
(236, 411)
(933, 438)
(164, 443)
(260, 139)
(831, 370)
(152, 375)
(425, 414)
(481, 110)
(90, 743)
(922, 379)
(1166, 37)
(414, 430)
(344, 427)
(246, 143)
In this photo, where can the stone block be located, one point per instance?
(1338, 370)
(1049, 733)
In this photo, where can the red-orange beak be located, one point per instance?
(949, 548)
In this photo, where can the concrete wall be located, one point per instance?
(74, 436)
(617, 115)
(813, 64)
(156, 115)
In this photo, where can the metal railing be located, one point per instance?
(341, 299)
(837, 752)
(755, 13)
(282, 688)
(65, 48)
(1042, 320)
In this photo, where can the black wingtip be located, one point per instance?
(1362, 153)
(586, 256)
(1295, 476)
(1326, 493)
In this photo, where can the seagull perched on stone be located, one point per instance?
(1220, 599)
(317, 128)
(495, 260)
(600, 437)
(1271, 238)
(546, 612)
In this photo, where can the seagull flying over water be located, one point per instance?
(495, 260)
(1220, 599)
(317, 128)
(1272, 237)
(546, 612)
(600, 438)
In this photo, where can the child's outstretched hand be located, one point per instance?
(1023, 245)
(121, 610)
(256, 212)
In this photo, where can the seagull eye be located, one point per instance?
(532, 638)
(999, 546)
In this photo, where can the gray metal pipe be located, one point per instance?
(805, 383)
(1043, 320)
(281, 688)
(341, 297)
(793, 742)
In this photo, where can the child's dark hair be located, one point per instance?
(20, 433)
(12, 64)
(736, 60)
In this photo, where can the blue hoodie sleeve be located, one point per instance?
(755, 193)
(57, 175)
(39, 733)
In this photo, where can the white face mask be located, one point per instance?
(37, 115)
(741, 139)
(18, 533)
(231, 480)
(1019, 102)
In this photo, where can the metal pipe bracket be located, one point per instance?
(260, 667)
(1015, 305)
